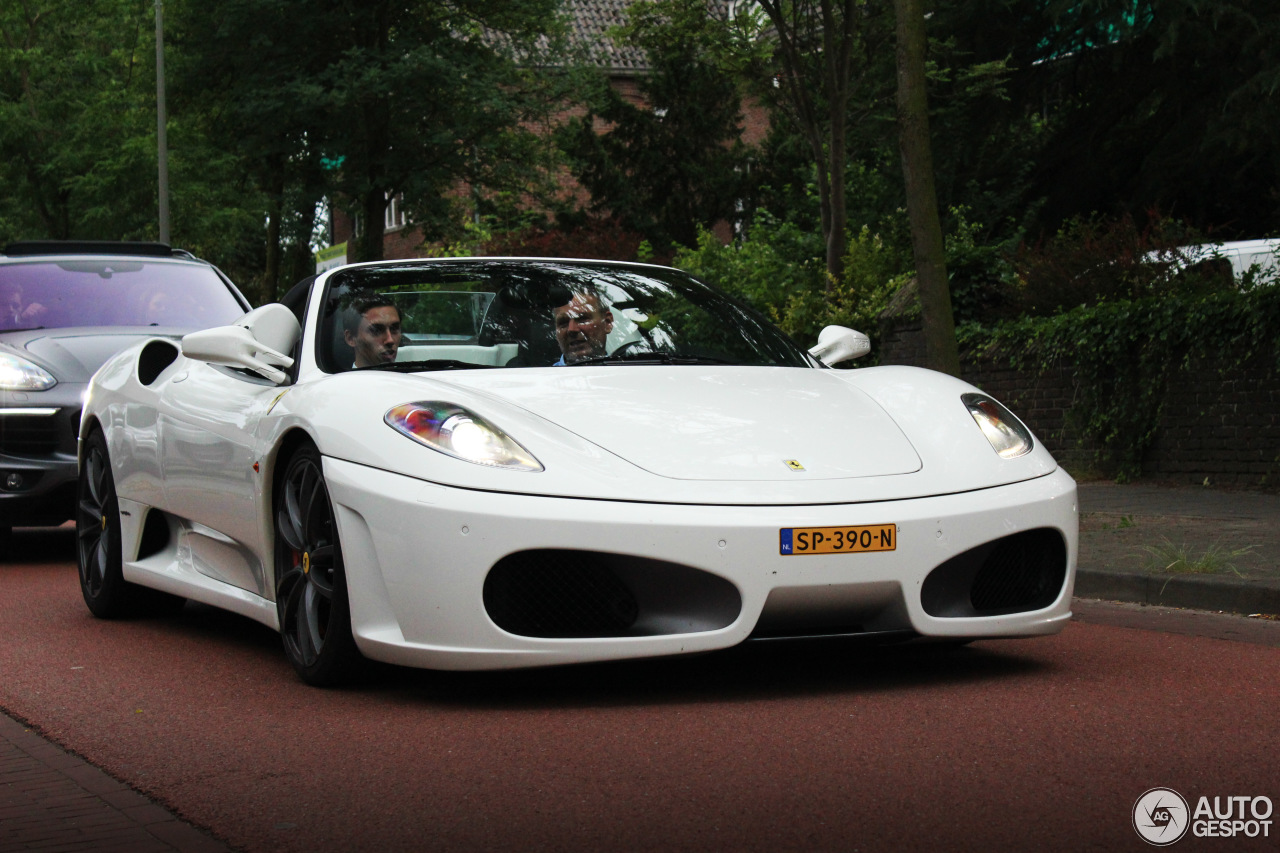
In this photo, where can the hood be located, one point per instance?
(694, 423)
(75, 354)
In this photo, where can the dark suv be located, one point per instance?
(65, 308)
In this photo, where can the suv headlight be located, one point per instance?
(1006, 433)
(18, 374)
(459, 433)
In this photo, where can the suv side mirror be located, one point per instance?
(837, 344)
(257, 341)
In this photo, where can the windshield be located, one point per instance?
(113, 292)
(501, 313)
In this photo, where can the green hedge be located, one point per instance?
(1124, 353)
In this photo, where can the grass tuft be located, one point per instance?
(1167, 558)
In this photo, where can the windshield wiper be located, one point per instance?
(429, 364)
(651, 358)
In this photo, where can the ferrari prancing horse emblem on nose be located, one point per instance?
(794, 464)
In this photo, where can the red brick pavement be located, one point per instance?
(52, 802)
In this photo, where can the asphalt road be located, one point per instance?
(1028, 744)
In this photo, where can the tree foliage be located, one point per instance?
(1040, 114)
(825, 65)
(78, 138)
(76, 101)
(675, 163)
(1128, 106)
(361, 102)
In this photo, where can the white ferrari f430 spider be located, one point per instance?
(499, 462)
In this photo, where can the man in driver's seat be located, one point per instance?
(582, 326)
(373, 331)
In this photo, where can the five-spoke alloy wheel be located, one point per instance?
(99, 548)
(311, 591)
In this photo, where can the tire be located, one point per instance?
(311, 586)
(99, 547)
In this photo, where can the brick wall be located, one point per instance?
(1220, 420)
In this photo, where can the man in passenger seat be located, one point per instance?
(582, 327)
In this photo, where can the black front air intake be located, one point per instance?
(1015, 574)
(559, 593)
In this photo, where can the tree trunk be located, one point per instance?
(922, 201)
(299, 262)
(373, 210)
(271, 277)
(837, 243)
(837, 40)
(796, 32)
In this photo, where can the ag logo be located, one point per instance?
(1161, 816)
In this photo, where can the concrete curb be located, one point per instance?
(1196, 592)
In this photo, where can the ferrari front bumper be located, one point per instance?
(418, 556)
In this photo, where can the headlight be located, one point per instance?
(18, 374)
(1006, 433)
(453, 430)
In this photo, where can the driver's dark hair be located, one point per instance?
(363, 301)
(562, 294)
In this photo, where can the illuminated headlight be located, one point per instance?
(18, 374)
(1006, 433)
(453, 430)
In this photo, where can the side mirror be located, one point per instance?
(837, 344)
(258, 341)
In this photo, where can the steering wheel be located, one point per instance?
(629, 347)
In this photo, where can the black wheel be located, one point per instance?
(311, 587)
(99, 551)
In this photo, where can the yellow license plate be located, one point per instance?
(837, 540)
